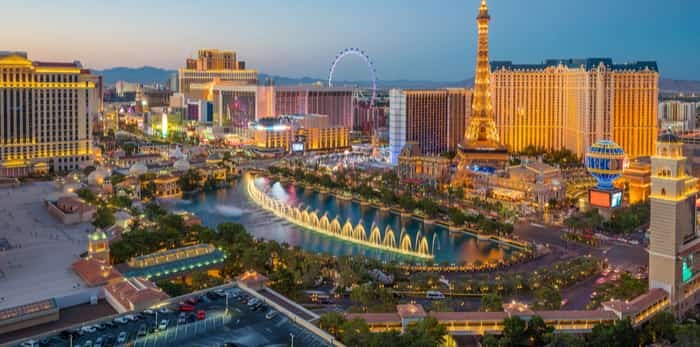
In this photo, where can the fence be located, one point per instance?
(183, 332)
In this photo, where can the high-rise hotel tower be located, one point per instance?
(674, 247)
(572, 103)
(46, 112)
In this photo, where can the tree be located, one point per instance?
(148, 191)
(489, 341)
(87, 195)
(355, 333)
(547, 298)
(173, 288)
(116, 178)
(153, 211)
(283, 281)
(190, 180)
(104, 218)
(514, 332)
(427, 332)
(617, 334)
(491, 303)
(538, 332)
(332, 322)
(660, 327)
(561, 339)
(688, 334)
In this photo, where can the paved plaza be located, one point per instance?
(41, 250)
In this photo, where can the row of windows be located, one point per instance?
(9, 75)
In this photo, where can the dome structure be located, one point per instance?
(605, 161)
(97, 235)
(181, 165)
(138, 169)
(98, 176)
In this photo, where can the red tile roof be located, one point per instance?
(135, 292)
(94, 272)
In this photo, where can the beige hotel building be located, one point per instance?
(572, 103)
(213, 64)
(46, 113)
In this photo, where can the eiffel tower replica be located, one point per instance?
(482, 151)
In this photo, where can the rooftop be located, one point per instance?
(588, 64)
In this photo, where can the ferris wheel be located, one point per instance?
(370, 65)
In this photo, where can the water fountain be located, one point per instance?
(352, 233)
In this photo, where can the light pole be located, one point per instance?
(226, 303)
(292, 335)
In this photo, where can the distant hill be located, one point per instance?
(679, 86)
(149, 74)
(143, 75)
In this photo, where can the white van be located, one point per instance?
(434, 295)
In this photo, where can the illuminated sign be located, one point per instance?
(605, 198)
(599, 198)
(616, 200)
(298, 147)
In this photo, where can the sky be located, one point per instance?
(407, 39)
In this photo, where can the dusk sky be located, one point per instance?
(407, 39)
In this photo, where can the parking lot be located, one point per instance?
(241, 324)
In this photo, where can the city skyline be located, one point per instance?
(439, 49)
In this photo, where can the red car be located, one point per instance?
(186, 308)
(201, 315)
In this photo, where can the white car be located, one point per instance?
(120, 320)
(252, 302)
(271, 314)
(130, 317)
(30, 343)
(89, 329)
(149, 312)
(122, 337)
(163, 324)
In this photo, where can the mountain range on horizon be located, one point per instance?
(150, 75)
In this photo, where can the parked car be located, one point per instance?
(30, 343)
(164, 310)
(99, 342)
(213, 295)
(130, 317)
(163, 324)
(142, 330)
(252, 302)
(182, 319)
(88, 329)
(149, 312)
(191, 301)
(122, 337)
(271, 314)
(186, 308)
(88, 343)
(434, 295)
(120, 320)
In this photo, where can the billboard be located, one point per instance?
(605, 198)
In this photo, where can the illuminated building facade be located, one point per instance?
(214, 64)
(415, 166)
(677, 115)
(279, 134)
(572, 103)
(637, 179)
(674, 243)
(46, 115)
(434, 119)
(235, 104)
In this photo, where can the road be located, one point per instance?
(616, 254)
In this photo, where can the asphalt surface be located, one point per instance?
(241, 325)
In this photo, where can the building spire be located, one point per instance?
(482, 126)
